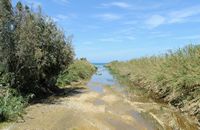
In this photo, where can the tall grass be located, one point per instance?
(78, 71)
(173, 77)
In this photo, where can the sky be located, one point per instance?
(107, 30)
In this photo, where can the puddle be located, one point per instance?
(103, 77)
(96, 87)
(138, 96)
(120, 125)
(145, 120)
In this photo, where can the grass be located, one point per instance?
(79, 70)
(173, 77)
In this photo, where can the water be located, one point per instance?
(105, 84)
(103, 79)
(153, 115)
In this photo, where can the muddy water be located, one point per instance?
(150, 114)
(103, 104)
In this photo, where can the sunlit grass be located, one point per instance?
(173, 77)
(79, 70)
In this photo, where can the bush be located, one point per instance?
(77, 71)
(11, 105)
(33, 50)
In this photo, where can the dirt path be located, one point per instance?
(101, 105)
(86, 111)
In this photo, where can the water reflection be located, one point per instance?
(102, 79)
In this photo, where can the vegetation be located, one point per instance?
(33, 50)
(173, 77)
(11, 105)
(78, 71)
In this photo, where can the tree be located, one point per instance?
(5, 17)
(7, 52)
(35, 52)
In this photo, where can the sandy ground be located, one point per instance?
(102, 105)
(85, 111)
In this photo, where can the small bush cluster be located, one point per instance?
(11, 105)
(79, 70)
(173, 77)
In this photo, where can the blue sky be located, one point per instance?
(106, 30)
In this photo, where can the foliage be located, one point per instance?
(33, 50)
(11, 105)
(173, 77)
(79, 70)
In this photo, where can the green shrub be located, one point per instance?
(33, 50)
(11, 105)
(79, 70)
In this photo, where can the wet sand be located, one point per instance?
(87, 111)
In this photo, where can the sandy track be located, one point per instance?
(85, 111)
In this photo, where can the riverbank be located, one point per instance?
(172, 78)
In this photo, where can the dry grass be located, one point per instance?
(173, 77)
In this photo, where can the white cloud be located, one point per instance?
(63, 17)
(109, 17)
(173, 17)
(137, 6)
(182, 15)
(155, 21)
(117, 4)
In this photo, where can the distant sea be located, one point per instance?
(99, 63)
